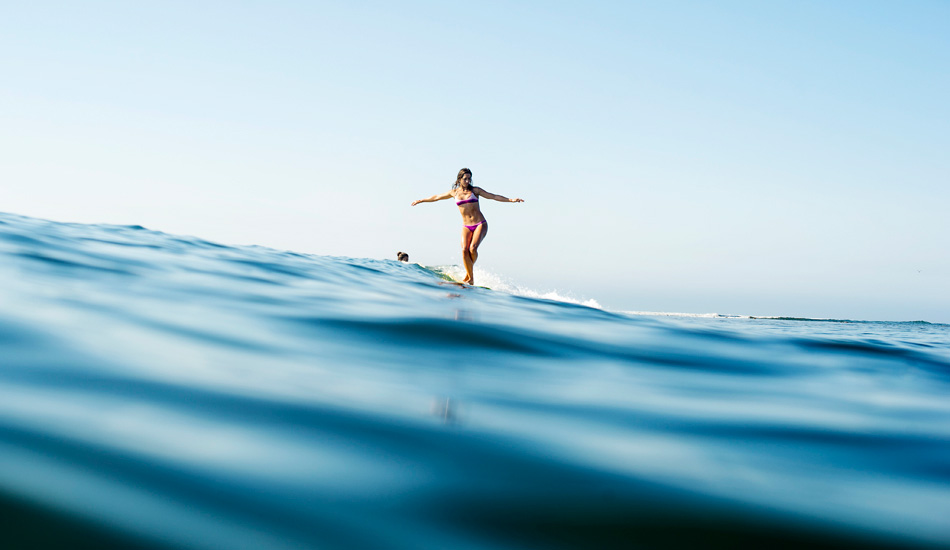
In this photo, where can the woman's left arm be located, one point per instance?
(482, 193)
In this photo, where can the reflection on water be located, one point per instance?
(168, 392)
(445, 408)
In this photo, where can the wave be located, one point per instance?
(165, 391)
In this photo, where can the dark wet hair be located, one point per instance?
(402, 256)
(458, 179)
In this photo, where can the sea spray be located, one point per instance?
(499, 283)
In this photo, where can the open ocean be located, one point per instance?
(160, 391)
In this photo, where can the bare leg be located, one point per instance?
(469, 267)
(477, 237)
(467, 256)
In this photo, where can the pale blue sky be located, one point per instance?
(766, 158)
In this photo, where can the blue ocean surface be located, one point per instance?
(160, 391)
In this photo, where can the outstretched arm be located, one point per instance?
(434, 198)
(482, 193)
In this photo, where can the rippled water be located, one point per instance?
(168, 392)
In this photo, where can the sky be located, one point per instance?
(764, 158)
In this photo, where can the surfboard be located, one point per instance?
(463, 285)
(448, 279)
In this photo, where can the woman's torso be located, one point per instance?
(467, 201)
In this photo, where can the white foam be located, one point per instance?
(671, 314)
(500, 284)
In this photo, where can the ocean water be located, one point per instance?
(160, 391)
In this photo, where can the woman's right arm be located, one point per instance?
(434, 198)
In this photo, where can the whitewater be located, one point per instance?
(164, 391)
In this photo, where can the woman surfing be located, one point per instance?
(474, 224)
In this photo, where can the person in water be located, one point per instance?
(474, 224)
(402, 256)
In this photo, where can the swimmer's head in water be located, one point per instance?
(402, 256)
(458, 179)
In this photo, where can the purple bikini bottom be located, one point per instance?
(472, 227)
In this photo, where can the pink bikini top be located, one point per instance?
(473, 198)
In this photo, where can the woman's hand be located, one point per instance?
(515, 200)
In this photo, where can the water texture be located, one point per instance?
(160, 391)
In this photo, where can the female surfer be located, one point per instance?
(474, 224)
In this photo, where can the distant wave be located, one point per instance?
(776, 318)
(822, 320)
